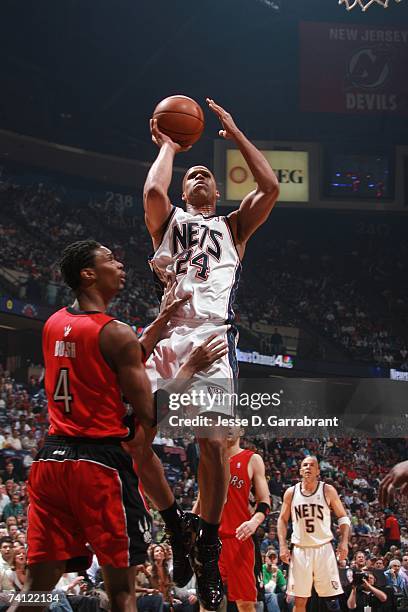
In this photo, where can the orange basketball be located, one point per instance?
(181, 118)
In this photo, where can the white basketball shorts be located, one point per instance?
(314, 566)
(216, 382)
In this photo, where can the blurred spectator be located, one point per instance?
(360, 561)
(17, 572)
(404, 571)
(361, 528)
(13, 440)
(4, 499)
(149, 599)
(71, 583)
(6, 552)
(392, 530)
(275, 485)
(270, 540)
(276, 342)
(14, 508)
(394, 578)
(273, 579)
(367, 596)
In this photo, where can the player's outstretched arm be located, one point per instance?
(157, 205)
(121, 349)
(257, 205)
(282, 527)
(247, 528)
(169, 306)
(342, 520)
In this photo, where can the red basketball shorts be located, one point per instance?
(237, 562)
(86, 492)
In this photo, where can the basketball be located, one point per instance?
(181, 118)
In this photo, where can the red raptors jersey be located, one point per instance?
(84, 398)
(236, 508)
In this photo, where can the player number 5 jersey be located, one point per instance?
(311, 517)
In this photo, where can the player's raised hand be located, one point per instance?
(396, 479)
(230, 129)
(245, 530)
(284, 554)
(170, 304)
(201, 357)
(160, 139)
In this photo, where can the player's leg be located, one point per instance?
(213, 490)
(213, 475)
(40, 577)
(213, 445)
(149, 468)
(180, 527)
(237, 563)
(326, 573)
(300, 604)
(223, 607)
(120, 587)
(300, 580)
(53, 537)
(245, 606)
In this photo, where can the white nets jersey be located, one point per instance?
(199, 253)
(311, 517)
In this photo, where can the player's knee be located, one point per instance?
(245, 606)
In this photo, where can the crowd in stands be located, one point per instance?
(355, 467)
(348, 289)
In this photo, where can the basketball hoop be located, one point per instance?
(364, 4)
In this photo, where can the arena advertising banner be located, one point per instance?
(346, 68)
(14, 306)
(279, 361)
(398, 375)
(291, 168)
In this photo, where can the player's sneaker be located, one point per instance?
(181, 543)
(204, 558)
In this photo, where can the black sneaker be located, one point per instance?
(204, 558)
(181, 543)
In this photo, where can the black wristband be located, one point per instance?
(263, 507)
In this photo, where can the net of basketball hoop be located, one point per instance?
(365, 4)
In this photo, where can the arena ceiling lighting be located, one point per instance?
(364, 4)
(275, 5)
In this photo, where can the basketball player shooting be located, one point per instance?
(238, 525)
(202, 252)
(312, 561)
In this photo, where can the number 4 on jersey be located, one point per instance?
(61, 391)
